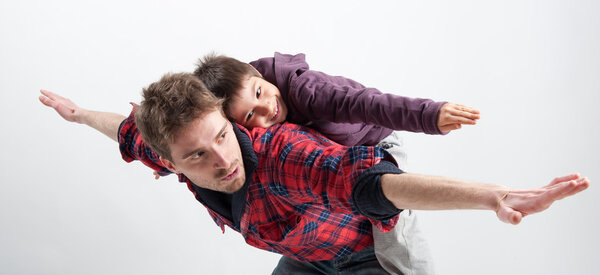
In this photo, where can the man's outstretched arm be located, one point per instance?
(410, 191)
(106, 123)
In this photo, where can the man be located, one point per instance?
(288, 189)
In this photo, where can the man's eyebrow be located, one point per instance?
(187, 155)
(198, 149)
(222, 130)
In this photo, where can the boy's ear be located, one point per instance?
(255, 70)
(169, 165)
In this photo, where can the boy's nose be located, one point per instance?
(266, 107)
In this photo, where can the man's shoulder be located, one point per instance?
(285, 137)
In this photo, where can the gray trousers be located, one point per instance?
(403, 250)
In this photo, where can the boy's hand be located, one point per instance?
(63, 106)
(452, 116)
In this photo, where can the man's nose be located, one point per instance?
(221, 160)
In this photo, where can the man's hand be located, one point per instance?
(452, 116)
(520, 203)
(106, 123)
(63, 106)
(422, 192)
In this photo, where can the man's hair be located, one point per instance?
(223, 75)
(169, 105)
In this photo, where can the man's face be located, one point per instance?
(208, 153)
(257, 104)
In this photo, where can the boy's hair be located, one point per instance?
(168, 106)
(223, 75)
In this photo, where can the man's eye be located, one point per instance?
(258, 93)
(197, 155)
(222, 136)
(250, 115)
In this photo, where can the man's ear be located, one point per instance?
(169, 165)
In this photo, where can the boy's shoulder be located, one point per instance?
(281, 68)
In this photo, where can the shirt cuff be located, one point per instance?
(368, 196)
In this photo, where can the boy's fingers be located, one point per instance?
(461, 113)
(461, 120)
(465, 108)
(450, 127)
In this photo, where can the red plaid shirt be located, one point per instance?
(297, 200)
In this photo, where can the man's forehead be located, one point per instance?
(204, 128)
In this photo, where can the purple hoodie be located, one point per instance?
(343, 109)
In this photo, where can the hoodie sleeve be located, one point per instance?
(316, 96)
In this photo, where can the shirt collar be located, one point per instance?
(231, 206)
(250, 164)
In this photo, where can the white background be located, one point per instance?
(70, 205)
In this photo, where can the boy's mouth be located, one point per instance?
(276, 111)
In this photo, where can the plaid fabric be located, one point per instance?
(298, 201)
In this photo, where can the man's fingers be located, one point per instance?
(51, 103)
(515, 217)
(560, 191)
(49, 98)
(46, 101)
(580, 185)
(51, 95)
(520, 203)
(509, 215)
(563, 179)
(48, 94)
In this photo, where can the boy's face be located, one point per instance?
(208, 153)
(257, 104)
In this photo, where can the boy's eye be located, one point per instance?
(258, 92)
(250, 115)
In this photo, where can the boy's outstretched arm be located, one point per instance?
(106, 123)
(410, 191)
(452, 116)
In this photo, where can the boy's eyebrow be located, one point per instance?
(252, 86)
(188, 154)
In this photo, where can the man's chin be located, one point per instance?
(235, 186)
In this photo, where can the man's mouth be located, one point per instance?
(231, 175)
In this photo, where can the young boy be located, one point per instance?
(272, 90)
(280, 88)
